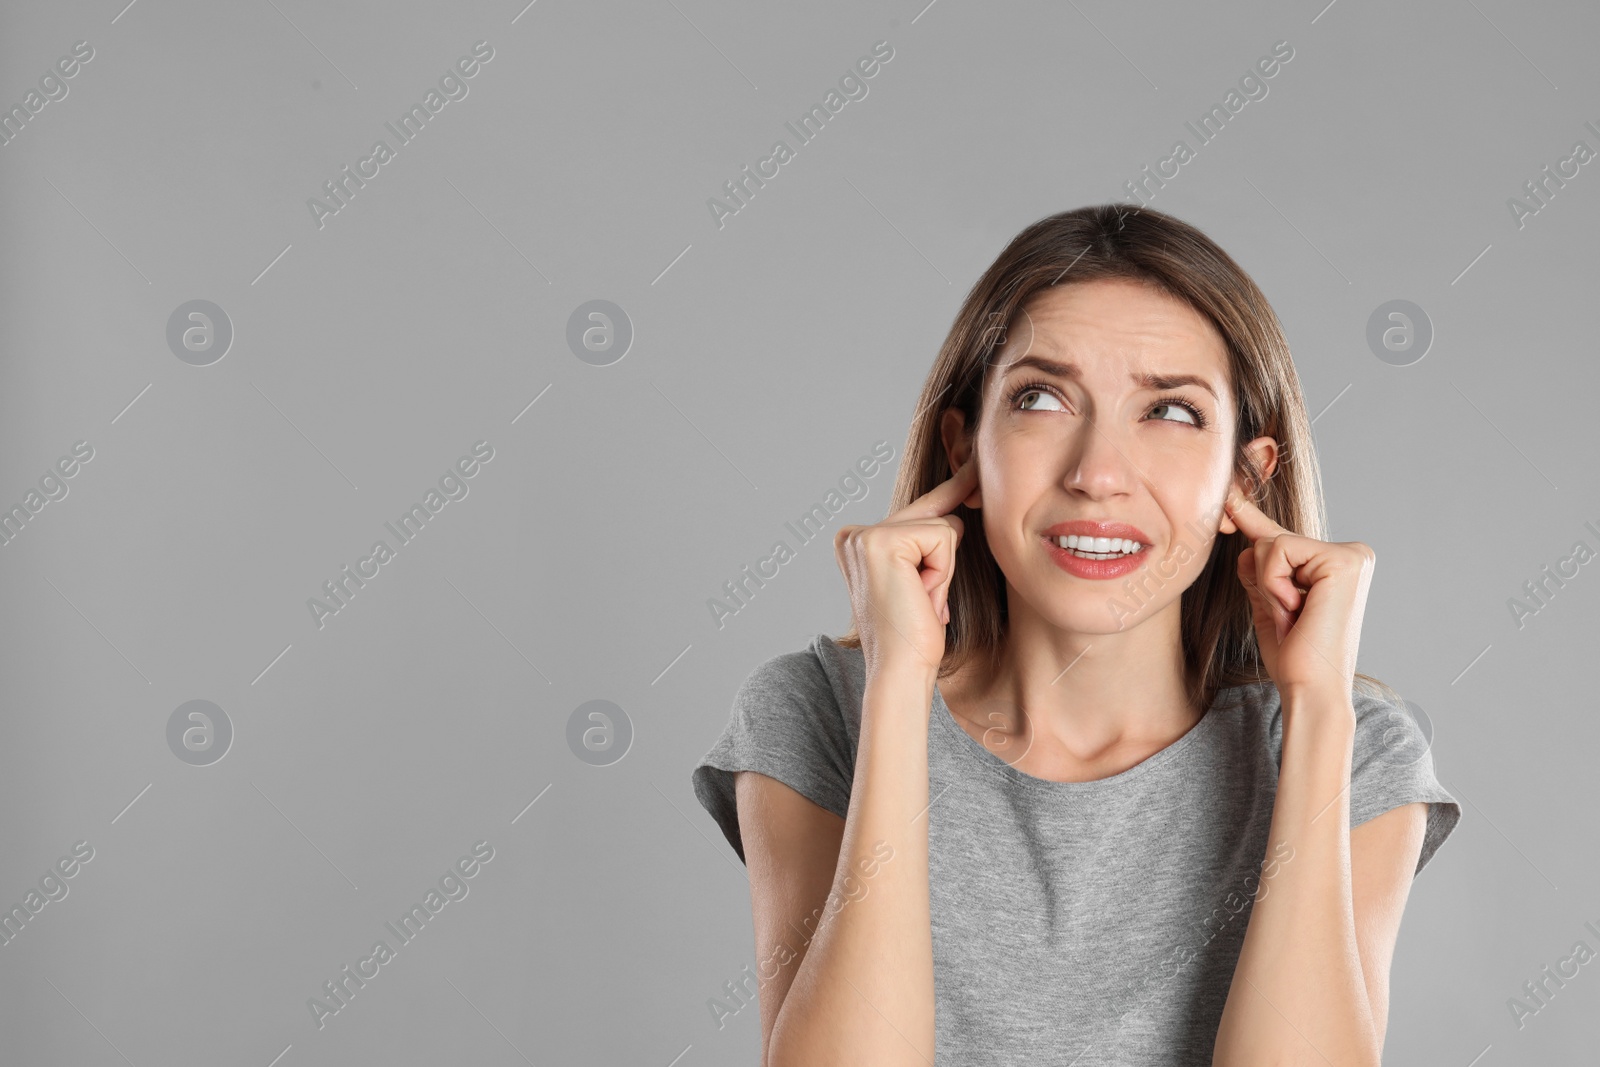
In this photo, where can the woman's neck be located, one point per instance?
(1080, 697)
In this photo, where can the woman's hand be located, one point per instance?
(1308, 598)
(899, 573)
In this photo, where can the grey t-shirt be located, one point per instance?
(1083, 923)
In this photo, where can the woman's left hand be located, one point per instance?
(1307, 596)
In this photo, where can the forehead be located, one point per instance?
(1112, 326)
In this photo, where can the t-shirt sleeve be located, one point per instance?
(786, 724)
(1392, 765)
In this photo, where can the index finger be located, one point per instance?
(1251, 520)
(942, 498)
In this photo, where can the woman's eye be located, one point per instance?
(1025, 401)
(1178, 408)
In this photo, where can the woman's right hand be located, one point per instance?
(899, 571)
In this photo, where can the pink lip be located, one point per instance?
(1096, 568)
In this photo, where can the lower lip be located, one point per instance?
(1095, 568)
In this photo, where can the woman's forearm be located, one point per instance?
(864, 989)
(1298, 995)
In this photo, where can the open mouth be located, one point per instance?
(1096, 558)
(1098, 547)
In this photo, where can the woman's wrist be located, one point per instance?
(1319, 711)
(903, 676)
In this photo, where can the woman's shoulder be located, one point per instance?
(1382, 721)
(820, 657)
(1252, 704)
(793, 720)
(823, 675)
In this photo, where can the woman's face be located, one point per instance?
(1107, 403)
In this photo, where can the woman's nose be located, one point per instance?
(1101, 465)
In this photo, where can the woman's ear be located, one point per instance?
(1263, 452)
(958, 449)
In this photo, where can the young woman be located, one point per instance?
(1093, 779)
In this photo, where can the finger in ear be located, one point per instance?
(1225, 523)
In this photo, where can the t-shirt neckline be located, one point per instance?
(974, 750)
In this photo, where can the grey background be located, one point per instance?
(767, 357)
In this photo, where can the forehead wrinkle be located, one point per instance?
(1070, 371)
(1137, 332)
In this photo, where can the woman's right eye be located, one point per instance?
(1026, 400)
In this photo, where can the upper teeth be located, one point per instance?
(1098, 544)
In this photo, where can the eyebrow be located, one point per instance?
(1071, 371)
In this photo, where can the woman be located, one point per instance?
(1093, 779)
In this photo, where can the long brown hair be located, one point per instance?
(1115, 241)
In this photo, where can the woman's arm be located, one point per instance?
(1300, 991)
(863, 992)
(1299, 994)
(1383, 860)
(791, 850)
